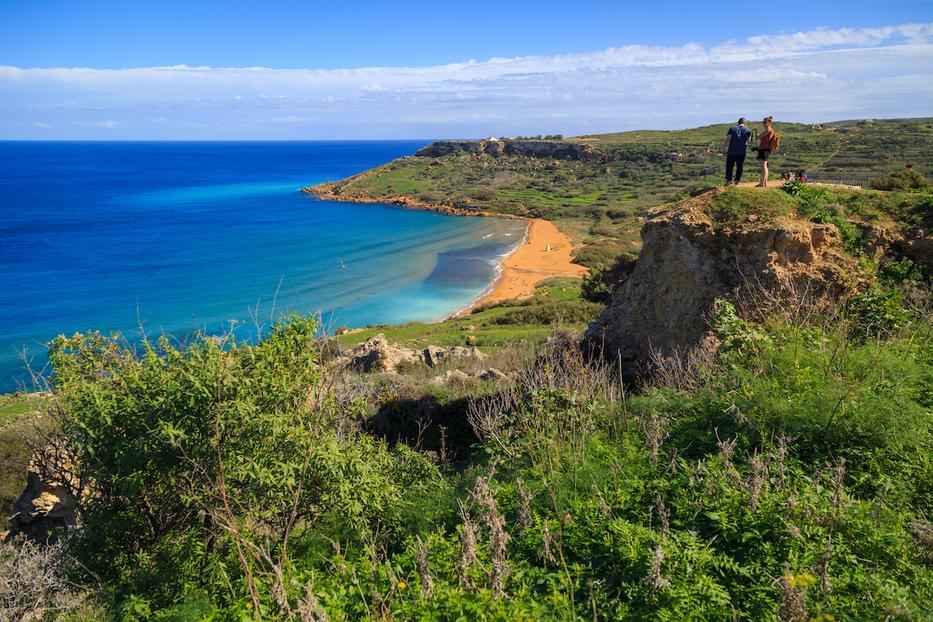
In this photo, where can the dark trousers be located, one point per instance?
(738, 163)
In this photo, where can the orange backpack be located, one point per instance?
(775, 142)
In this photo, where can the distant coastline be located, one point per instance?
(544, 253)
(326, 192)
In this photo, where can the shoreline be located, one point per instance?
(544, 252)
(324, 193)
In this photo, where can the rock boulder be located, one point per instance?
(378, 355)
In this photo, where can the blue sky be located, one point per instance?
(305, 70)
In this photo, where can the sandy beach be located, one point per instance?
(545, 254)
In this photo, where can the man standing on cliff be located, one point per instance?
(736, 147)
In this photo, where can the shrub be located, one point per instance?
(876, 312)
(899, 271)
(206, 460)
(599, 285)
(568, 312)
(794, 187)
(791, 479)
(34, 585)
(907, 179)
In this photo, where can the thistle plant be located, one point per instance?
(467, 546)
(424, 573)
(498, 537)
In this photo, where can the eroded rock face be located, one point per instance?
(556, 149)
(48, 505)
(687, 262)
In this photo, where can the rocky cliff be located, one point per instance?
(689, 260)
(556, 149)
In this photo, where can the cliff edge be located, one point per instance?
(690, 258)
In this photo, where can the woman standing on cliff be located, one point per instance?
(764, 150)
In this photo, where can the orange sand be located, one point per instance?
(532, 263)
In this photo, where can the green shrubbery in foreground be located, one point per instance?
(789, 478)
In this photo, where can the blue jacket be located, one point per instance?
(738, 140)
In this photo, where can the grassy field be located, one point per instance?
(788, 477)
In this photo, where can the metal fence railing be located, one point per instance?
(841, 178)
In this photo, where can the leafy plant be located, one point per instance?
(876, 312)
(793, 187)
(899, 271)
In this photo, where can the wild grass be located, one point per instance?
(786, 476)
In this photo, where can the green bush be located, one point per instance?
(599, 285)
(794, 187)
(907, 179)
(199, 457)
(876, 312)
(899, 271)
(567, 312)
(598, 256)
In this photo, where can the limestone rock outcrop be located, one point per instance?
(492, 374)
(48, 506)
(688, 261)
(435, 356)
(451, 375)
(378, 355)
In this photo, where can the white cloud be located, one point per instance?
(816, 75)
(106, 124)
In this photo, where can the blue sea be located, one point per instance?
(177, 237)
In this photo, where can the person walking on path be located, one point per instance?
(736, 147)
(764, 150)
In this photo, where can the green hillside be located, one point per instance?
(601, 202)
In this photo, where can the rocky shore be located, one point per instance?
(330, 191)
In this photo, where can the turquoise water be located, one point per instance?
(185, 236)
